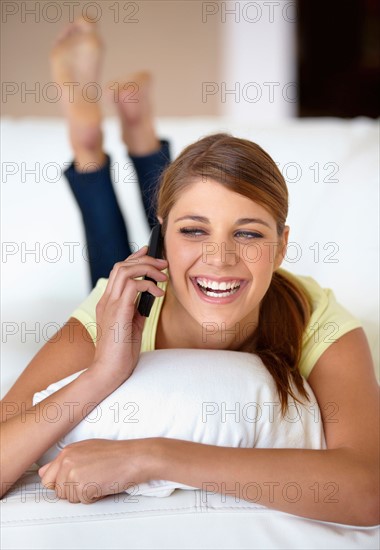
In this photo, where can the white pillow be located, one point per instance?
(224, 398)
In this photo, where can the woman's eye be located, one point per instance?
(191, 231)
(249, 235)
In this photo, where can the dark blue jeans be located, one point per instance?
(104, 225)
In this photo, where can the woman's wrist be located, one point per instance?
(101, 379)
(154, 457)
(138, 461)
(168, 458)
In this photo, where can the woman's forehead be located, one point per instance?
(211, 199)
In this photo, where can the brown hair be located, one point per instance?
(245, 168)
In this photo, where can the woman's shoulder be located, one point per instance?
(322, 300)
(329, 320)
(86, 310)
(318, 295)
(96, 293)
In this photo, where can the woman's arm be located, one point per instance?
(67, 352)
(340, 484)
(25, 437)
(26, 431)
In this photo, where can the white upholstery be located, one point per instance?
(330, 220)
(33, 518)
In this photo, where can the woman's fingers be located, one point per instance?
(133, 267)
(73, 472)
(55, 476)
(66, 489)
(129, 294)
(133, 259)
(135, 282)
(48, 474)
(43, 469)
(131, 274)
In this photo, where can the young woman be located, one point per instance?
(223, 206)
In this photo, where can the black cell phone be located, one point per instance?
(155, 249)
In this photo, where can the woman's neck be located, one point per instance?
(177, 329)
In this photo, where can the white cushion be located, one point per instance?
(223, 398)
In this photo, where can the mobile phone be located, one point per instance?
(155, 249)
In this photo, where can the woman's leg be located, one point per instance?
(76, 59)
(149, 155)
(149, 169)
(105, 231)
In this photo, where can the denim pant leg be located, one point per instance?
(149, 169)
(105, 230)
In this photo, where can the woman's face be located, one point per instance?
(222, 250)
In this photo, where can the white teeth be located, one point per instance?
(219, 294)
(208, 285)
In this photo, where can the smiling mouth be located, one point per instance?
(215, 289)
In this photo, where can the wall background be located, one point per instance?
(208, 58)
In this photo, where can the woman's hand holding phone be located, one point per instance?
(155, 250)
(119, 323)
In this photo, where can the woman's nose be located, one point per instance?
(222, 252)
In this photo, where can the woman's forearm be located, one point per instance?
(25, 437)
(330, 485)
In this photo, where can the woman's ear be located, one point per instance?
(283, 243)
(160, 219)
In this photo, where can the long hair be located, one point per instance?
(245, 168)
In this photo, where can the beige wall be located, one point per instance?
(166, 37)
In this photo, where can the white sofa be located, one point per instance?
(332, 170)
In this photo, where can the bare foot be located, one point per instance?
(132, 97)
(75, 64)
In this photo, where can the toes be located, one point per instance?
(85, 25)
(78, 27)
